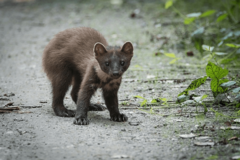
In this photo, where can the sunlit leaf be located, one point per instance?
(222, 17)
(195, 84)
(236, 90)
(215, 72)
(220, 53)
(154, 101)
(139, 97)
(194, 14)
(228, 84)
(233, 45)
(220, 43)
(229, 35)
(237, 98)
(236, 33)
(189, 20)
(171, 55)
(207, 48)
(208, 13)
(143, 102)
(200, 98)
(183, 98)
(168, 4)
(173, 61)
(207, 58)
(198, 31)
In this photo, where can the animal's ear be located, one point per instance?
(127, 48)
(99, 49)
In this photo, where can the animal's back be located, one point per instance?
(71, 49)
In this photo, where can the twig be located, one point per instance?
(31, 106)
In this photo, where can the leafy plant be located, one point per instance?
(173, 56)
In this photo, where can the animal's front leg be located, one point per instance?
(111, 101)
(83, 102)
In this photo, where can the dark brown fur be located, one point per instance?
(82, 57)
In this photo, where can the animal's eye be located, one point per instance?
(107, 63)
(122, 63)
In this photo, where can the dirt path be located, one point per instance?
(36, 133)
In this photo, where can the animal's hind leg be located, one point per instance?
(60, 85)
(77, 79)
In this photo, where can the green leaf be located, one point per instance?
(226, 60)
(168, 4)
(143, 103)
(220, 43)
(228, 84)
(198, 32)
(208, 13)
(164, 100)
(189, 20)
(236, 90)
(171, 55)
(173, 61)
(182, 98)
(237, 98)
(222, 17)
(216, 88)
(139, 97)
(195, 84)
(207, 48)
(154, 101)
(215, 72)
(194, 14)
(233, 45)
(200, 98)
(220, 53)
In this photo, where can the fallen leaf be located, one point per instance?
(228, 123)
(191, 135)
(202, 138)
(120, 156)
(231, 127)
(134, 123)
(236, 157)
(233, 138)
(190, 53)
(204, 143)
(236, 120)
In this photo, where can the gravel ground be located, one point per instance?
(35, 132)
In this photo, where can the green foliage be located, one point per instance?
(173, 56)
(208, 13)
(215, 34)
(168, 4)
(233, 45)
(215, 72)
(159, 100)
(222, 17)
(142, 103)
(195, 84)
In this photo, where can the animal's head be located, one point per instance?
(114, 60)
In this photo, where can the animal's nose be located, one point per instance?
(115, 73)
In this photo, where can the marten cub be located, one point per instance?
(82, 57)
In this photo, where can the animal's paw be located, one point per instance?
(119, 118)
(96, 107)
(81, 121)
(63, 112)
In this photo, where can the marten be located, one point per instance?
(81, 57)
